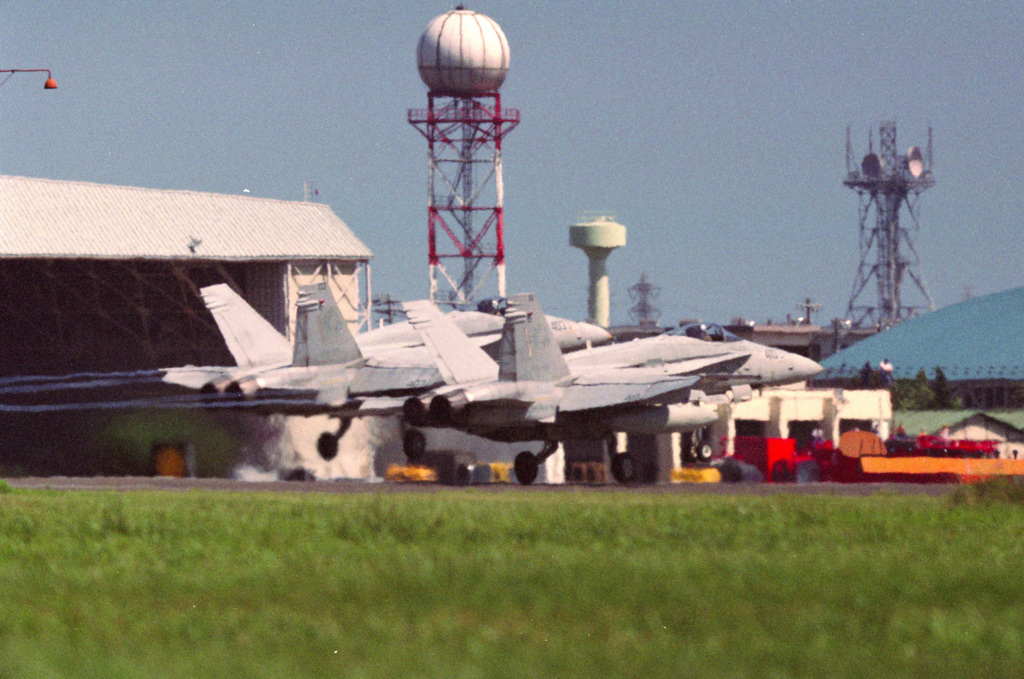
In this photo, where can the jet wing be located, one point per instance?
(383, 377)
(622, 386)
(719, 366)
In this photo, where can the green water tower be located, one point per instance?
(597, 236)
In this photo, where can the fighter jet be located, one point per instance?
(672, 382)
(328, 370)
(264, 355)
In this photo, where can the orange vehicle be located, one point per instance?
(863, 457)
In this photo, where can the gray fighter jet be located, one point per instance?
(266, 358)
(328, 370)
(671, 382)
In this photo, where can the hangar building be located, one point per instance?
(99, 278)
(976, 343)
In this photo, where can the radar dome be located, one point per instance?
(462, 53)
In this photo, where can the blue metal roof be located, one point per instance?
(980, 339)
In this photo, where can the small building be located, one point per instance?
(797, 413)
(1006, 428)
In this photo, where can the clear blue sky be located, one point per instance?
(715, 133)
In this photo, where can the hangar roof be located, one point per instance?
(43, 218)
(974, 340)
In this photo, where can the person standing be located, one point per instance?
(885, 368)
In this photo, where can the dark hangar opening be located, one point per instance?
(64, 316)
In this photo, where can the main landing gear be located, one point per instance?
(527, 465)
(624, 468)
(699, 450)
(327, 444)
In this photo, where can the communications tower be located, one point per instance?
(644, 313)
(886, 182)
(463, 58)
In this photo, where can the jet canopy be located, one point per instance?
(709, 332)
(494, 306)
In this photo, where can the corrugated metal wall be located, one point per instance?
(265, 291)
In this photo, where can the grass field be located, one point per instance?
(464, 583)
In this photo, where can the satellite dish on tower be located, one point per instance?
(871, 166)
(915, 161)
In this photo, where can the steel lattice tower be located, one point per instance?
(644, 313)
(887, 182)
(465, 208)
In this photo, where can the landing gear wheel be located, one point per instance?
(414, 444)
(327, 446)
(526, 466)
(624, 468)
(704, 452)
(699, 449)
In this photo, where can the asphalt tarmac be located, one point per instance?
(130, 484)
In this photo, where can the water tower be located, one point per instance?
(463, 58)
(886, 182)
(597, 236)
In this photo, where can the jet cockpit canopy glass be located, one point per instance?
(492, 305)
(709, 332)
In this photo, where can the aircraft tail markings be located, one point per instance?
(528, 351)
(322, 336)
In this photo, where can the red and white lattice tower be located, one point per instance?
(463, 58)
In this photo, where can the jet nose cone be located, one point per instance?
(804, 368)
(594, 335)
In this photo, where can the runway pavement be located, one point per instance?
(130, 484)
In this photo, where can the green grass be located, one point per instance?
(474, 584)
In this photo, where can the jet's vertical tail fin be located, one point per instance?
(250, 338)
(528, 351)
(458, 358)
(322, 336)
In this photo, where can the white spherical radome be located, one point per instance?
(463, 53)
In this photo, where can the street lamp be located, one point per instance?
(50, 83)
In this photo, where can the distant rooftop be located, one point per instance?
(43, 218)
(979, 339)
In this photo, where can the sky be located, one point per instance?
(716, 133)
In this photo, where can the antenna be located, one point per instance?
(644, 313)
(808, 308)
(387, 306)
(309, 192)
(888, 182)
